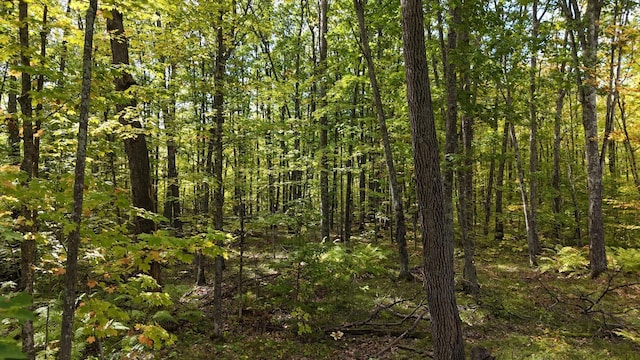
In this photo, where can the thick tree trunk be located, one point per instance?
(136, 146)
(437, 247)
(73, 242)
(396, 191)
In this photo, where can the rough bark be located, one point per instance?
(396, 191)
(135, 146)
(437, 247)
(73, 241)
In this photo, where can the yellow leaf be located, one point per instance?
(91, 339)
(91, 284)
(59, 271)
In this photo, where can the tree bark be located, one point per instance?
(136, 146)
(533, 133)
(73, 242)
(586, 31)
(437, 247)
(396, 191)
(28, 245)
(218, 190)
(323, 123)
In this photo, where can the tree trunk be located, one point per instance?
(533, 133)
(525, 200)
(28, 245)
(451, 113)
(396, 191)
(172, 200)
(437, 247)
(587, 36)
(73, 242)
(13, 125)
(499, 225)
(465, 181)
(218, 190)
(136, 146)
(324, 160)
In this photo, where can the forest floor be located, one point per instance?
(304, 300)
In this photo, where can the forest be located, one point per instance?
(329, 179)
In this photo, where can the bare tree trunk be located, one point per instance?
(28, 165)
(437, 247)
(136, 146)
(396, 191)
(172, 200)
(218, 190)
(465, 181)
(533, 134)
(586, 35)
(525, 201)
(73, 242)
(499, 224)
(324, 160)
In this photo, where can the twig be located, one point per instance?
(396, 340)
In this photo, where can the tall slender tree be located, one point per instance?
(396, 190)
(446, 327)
(73, 241)
(584, 30)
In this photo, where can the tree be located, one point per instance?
(584, 35)
(437, 248)
(28, 166)
(396, 191)
(135, 145)
(73, 241)
(323, 123)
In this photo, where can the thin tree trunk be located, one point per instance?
(525, 200)
(396, 191)
(627, 144)
(13, 125)
(465, 181)
(324, 160)
(218, 190)
(437, 247)
(533, 133)
(451, 113)
(499, 225)
(73, 242)
(28, 245)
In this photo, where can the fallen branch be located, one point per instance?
(397, 339)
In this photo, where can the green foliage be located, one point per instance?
(13, 308)
(627, 259)
(567, 260)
